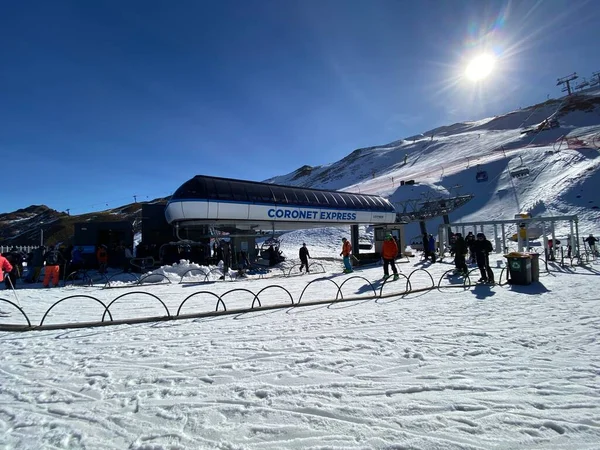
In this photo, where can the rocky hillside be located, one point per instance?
(24, 226)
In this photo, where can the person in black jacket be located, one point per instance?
(460, 254)
(591, 242)
(304, 255)
(482, 248)
(470, 240)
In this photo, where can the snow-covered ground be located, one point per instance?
(485, 367)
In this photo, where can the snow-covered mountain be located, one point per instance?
(556, 141)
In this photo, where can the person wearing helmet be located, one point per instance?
(345, 253)
(389, 251)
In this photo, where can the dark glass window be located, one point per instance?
(340, 199)
(349, 200)
(302, 197)
(262, 194)
(223, 189)
(331, 201)
(290, 194)
(239, 191)
(279, 195)
(321, 199)
(211, 190)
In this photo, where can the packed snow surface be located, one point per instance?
(485, 367)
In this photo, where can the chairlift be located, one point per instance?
(520, 171)
(482, 175)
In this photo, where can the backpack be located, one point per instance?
(52, 258)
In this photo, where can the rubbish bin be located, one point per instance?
(535, 266)
(519, 268)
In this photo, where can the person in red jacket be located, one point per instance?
(389, 251)
(5, 266)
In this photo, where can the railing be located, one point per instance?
(374, 291)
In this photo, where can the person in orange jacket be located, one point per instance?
(346, 250)
(102, 257)
(5, 266)
(389, 251)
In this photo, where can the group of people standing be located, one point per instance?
(479, 249)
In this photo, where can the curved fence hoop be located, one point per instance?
(314, 281)
(19, 308)
(200, 269)
(219, 271)
(85, 278)
(76, 296)
(407, 286)
(256, 299)
(100, 278)
(132, 293)
(351, 278)
(289, 273)
(421, 270)
(439, 285)
(276, 286)
(163, 277)
(219, 301)
(311, 265)
(108, 286)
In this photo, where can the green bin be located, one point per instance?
(519, 268)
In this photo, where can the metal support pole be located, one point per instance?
(545, 243)
(497, 239)
(41, 237)
(503, 239)
(577, 237)
(571, 237)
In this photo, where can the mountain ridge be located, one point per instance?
(562, 161)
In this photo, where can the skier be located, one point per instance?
(591, 242)
(226, 255)
(346, 251)
(5, 266)
(304, 255)
(52, 270)
(102, 257)
(34, 265)
(460, 254)
(15, 258)
(482, 248)
(389, 251)
(431, 247)
(470, 240)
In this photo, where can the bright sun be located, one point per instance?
(480, 67)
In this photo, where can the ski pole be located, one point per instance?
(14, 290)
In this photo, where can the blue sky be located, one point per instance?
(104, 100)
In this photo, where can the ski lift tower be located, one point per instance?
(567, 81)
(430, 206)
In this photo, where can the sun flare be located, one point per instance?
(480, 67)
